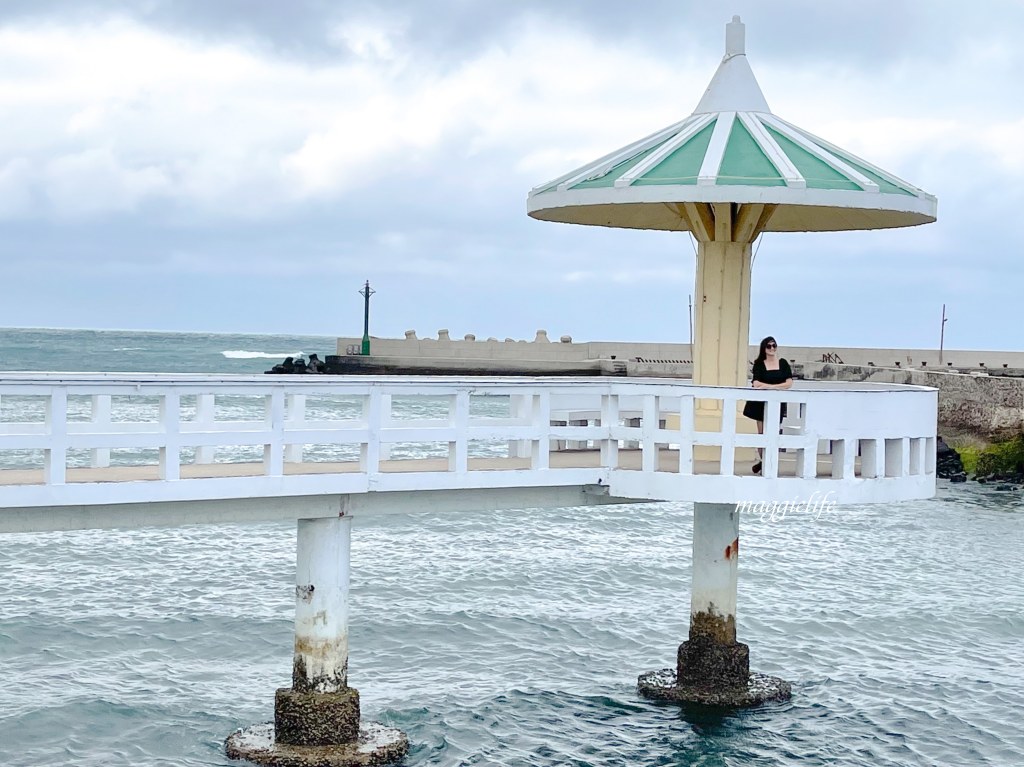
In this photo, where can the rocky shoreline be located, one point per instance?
(948, 464)
(1001, 464)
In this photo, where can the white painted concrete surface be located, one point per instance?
(321, 604)
(884, 433)
(716, 541)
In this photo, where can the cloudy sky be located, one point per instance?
(244, 165)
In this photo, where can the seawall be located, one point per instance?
(565, 349)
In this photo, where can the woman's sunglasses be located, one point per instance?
(771, 346)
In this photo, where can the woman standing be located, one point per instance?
(770, 372)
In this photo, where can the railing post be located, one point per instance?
(99, 457)
(838, 449)
(519, 410)
(772, 421)
(849, 458)
(540, 449)
(727, 458)
(807, 457)
(916, 456)
(205, 419)
(929, 455)
(648, 432)
(273, 451)
(296, 414)
(686, 426)
(610, 424)
(387, 414)
(458, 419)
(869, 468)
(895, 457)
(55, 465)
(369, 451)
(807, 460)
(170, 421)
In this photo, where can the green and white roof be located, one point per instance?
(733, 149)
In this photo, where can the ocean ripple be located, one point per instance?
(515, 638)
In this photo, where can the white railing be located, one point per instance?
(81, 439)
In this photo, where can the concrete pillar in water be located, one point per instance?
(712, 667)
(316, 720)
(712, 656)
(320, 708)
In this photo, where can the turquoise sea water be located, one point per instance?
(513, 638)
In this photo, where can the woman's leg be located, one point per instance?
(756, 468)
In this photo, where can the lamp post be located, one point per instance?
(366, 292)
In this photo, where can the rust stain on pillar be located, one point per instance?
(733, 549)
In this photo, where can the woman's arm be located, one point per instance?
(788, 372)
(755, 374)
(787, 384)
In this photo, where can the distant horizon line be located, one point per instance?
(402, 338)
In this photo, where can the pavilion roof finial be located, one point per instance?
(735, 38)
(734, 87)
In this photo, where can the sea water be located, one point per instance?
(513, 638)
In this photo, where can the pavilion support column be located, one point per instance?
(722, 316)
(316, 720)
(712, 668)
(721, 332)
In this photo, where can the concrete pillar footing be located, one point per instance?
(759, 688)
(316, 718)
(317, 729)
(376, 745)
(701, 661)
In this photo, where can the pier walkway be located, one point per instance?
(99, 450)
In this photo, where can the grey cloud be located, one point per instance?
(449, 241)
(871, 32)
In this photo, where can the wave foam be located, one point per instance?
(241, 354)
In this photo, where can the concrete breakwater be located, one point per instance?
(565, 349)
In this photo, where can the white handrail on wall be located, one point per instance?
(879, 439)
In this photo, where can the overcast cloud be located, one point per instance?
(244, 165)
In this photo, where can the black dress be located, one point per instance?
(755, 410)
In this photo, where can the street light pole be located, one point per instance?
(366, 292)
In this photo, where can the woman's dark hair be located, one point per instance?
(761, 353)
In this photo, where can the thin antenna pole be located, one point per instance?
(942, 333)
(689, 313)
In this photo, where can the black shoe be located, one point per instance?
(756, 468)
